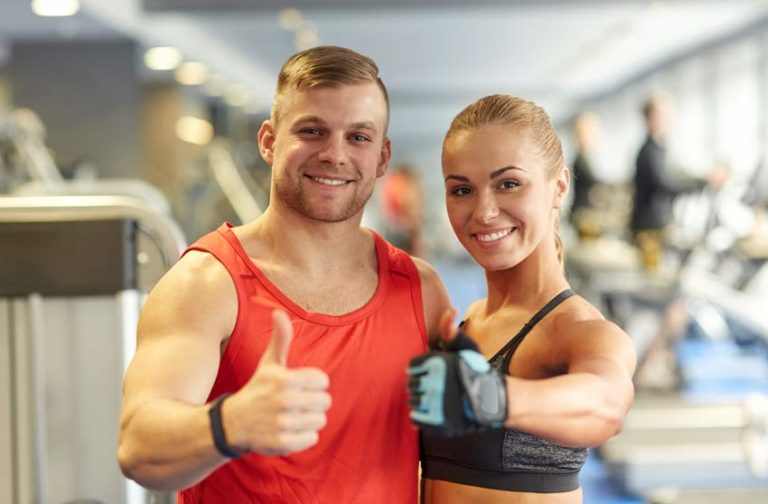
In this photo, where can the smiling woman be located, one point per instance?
(514, 167)
(537, 398)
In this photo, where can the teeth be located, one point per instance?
(327, 181)
(493, 236)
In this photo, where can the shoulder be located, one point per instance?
(584, 334)
(197, 269)
(427, 272)
(432, 285)
(477, 306)
(434, 295)
(197, 293)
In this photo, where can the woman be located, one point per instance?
(567, 372)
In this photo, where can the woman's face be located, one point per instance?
(500, 198)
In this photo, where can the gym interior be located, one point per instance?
(128, 130)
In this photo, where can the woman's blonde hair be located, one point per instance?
(514, 111)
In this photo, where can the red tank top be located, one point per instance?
(368, 451)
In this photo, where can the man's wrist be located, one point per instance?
(217, 429)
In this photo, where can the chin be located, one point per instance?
(499, 263)
(499, 266)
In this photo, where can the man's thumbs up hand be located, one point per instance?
(280, 410)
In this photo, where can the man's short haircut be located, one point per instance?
(324, 66)
(653, 102)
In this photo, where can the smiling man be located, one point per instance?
(270, 359)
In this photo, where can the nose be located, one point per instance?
(487, 209)
(333, 150)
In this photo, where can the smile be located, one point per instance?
(491, 237)
(327, 181)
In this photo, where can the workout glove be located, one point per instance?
(455, 391)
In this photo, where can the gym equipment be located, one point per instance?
(71, 287)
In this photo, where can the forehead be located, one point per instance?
(344, 104)
(490, 147)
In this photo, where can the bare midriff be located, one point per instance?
(445, 492)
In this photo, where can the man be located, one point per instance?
(586, 133)
(655, 185)
(304, 318)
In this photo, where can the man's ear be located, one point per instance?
(384, 157)
(562, 183)
(266, 138)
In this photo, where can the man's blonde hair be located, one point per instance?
(324, 66)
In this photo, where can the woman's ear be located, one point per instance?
(562, 183)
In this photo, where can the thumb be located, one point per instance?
(446, 327)
(282, 335)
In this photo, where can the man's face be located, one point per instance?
(661, 117)
(327, 150)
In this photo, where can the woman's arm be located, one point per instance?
(585, 406)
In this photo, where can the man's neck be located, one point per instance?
(306, 244)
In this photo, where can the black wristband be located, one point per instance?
(217, 429)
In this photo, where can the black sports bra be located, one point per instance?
(505, 459)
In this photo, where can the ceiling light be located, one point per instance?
(238, 96)
(290, 18)
(55, 8)
(192, 73)
(306, 36)
(194, 130)
(162, 58)
(216, 85)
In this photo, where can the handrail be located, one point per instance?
(134, 188)
(162, 228)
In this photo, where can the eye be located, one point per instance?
(359, 137)
(460, 191)
(508, 184)
(310, 131)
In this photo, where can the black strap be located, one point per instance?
(217, 429)
(509, 349)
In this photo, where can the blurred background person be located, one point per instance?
(586, 134)
(402, 209)
(655, 184)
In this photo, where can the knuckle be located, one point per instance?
(325, 401)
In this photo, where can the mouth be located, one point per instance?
(493, 236)
(328, 181)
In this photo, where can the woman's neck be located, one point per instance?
(529, 284)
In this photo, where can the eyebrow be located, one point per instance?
(361, 125)
(493, 175)
(365, 125)
(309, 119)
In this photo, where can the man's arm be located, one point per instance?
(165, 437)
(437, 304)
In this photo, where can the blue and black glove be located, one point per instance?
(455, 391)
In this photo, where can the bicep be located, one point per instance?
(182, 325)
